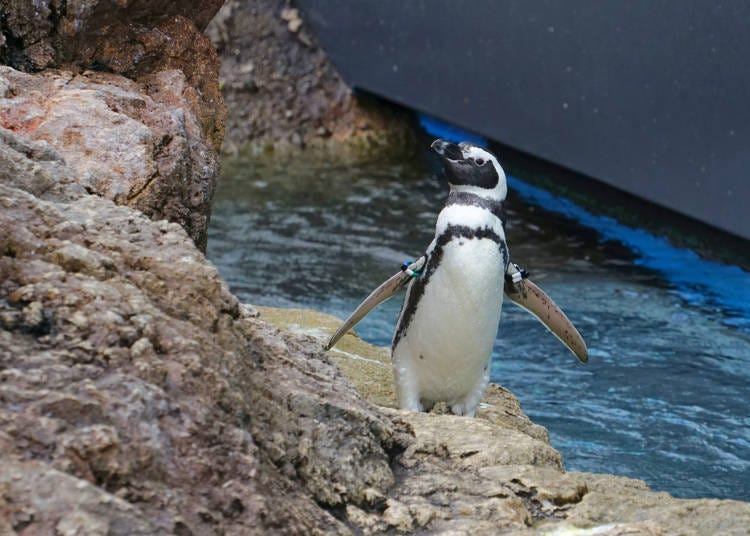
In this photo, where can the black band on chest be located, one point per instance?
(417, 287)
(497, 208)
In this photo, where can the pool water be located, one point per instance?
(665, 396)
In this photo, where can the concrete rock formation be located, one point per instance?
(285, 94)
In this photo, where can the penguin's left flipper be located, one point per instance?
(391, 286)
(530, 297)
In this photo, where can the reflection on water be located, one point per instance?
(665, 394)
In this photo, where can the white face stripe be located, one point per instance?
(501, 190)
(477, 152)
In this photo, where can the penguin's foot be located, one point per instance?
(408, 398)
(407, 388)
(462, 409)
(411, 405)
(468, 405)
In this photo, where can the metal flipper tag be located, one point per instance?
(530, 297)
(395, 283)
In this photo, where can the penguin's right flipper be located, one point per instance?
(394, 283)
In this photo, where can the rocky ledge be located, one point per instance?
(498, 474)
(137, 396)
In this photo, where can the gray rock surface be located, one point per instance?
(285, 94)
(136, 143)
(126, 367)
(133, 38)
(498, 474)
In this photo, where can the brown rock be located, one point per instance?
(34, 166)
(37, 499)
(284, 93)
(126, 363)
(138, 144)
(133, 38)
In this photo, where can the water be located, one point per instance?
(665, 395)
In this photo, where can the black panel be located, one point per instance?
(650, 96)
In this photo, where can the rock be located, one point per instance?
(497, 473)
(37, 499)
(131, 38)
(137, 144)
(616, 500)
(128, 367)
(34, 166)
(285, 95)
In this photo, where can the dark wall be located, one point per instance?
(650, 96)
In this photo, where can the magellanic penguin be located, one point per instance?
(449, 320)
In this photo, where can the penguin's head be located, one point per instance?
(472, 168)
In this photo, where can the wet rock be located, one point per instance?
(137, 144)
(284, 94)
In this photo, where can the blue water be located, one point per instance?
(699, 282)
(665, 395)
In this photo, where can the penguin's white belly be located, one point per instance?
(449, 340)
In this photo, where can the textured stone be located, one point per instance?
(126, 365)
(138, 144)
(37, 499)
(613, 500)
(133, 38)
(284, 93)
(497, 473)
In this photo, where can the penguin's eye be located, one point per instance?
(479, 162)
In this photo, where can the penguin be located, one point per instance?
(449, 320)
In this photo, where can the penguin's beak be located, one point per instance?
(447, 150)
